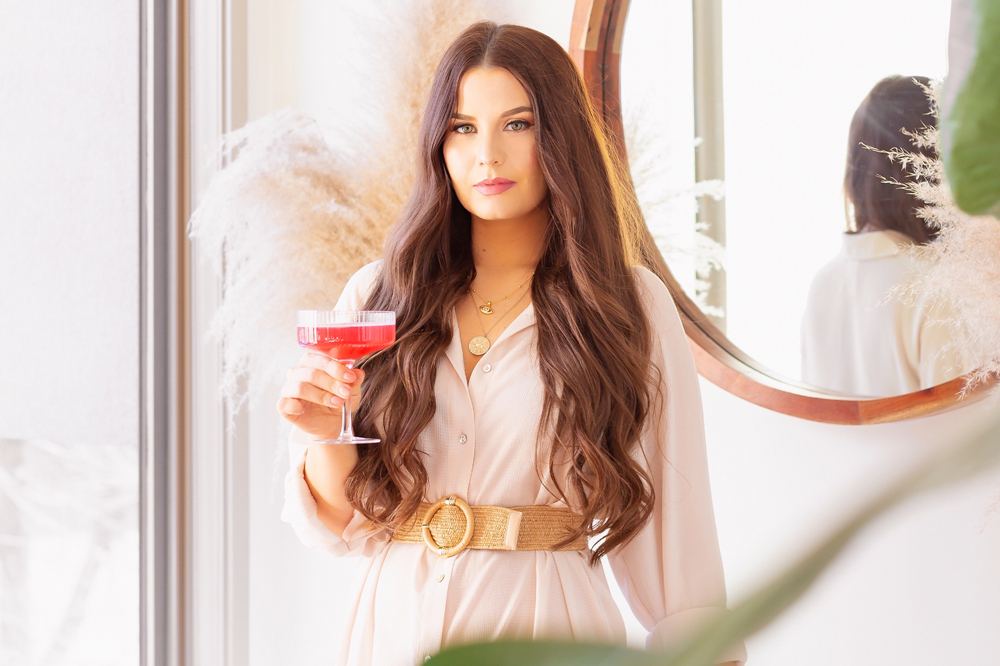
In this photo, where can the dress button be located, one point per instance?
(441, 578)
(487, 367)
(463, 439)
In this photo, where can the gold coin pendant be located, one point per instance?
(486, 309)
(479, 345)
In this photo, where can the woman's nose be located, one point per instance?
(489, 149)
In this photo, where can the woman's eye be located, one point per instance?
(518, 125)
(464, 129)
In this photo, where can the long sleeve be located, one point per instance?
(299, 510)
(671, 572)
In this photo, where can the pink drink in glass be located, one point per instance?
(346, 336)
(347, 342)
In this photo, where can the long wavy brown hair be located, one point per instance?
(593, 337)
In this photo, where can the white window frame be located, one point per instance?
(216, 611)
(709, 127)
(194, 561)
(162, 333)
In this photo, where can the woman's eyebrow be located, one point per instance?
(515, 110)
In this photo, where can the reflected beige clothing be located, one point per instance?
(857, 339)
(480, 445)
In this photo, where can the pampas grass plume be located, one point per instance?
(961, 267)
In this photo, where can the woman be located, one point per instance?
(855, 338)
(535, 366)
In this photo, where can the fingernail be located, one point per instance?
(343, 391)
(334, 401)
(349, 376)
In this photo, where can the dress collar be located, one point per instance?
(875, 244)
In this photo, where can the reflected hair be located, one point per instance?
(593, 338)
(895, 107)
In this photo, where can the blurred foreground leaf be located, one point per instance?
(956, 463)
(538, 653)
(973, 156)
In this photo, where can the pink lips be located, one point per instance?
(493, 185)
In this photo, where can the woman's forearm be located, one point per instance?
(326, 471)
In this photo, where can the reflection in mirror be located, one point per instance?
(855, 338)
(772, 122)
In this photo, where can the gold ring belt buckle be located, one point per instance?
(470, 526)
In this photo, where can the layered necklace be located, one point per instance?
(480, 344)
(487, 307)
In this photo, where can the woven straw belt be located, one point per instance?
(450, 525)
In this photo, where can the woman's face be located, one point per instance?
(490, 148)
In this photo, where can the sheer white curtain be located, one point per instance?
(69, 333)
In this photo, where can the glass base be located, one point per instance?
(347, 440)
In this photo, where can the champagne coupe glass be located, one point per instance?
(345, 336)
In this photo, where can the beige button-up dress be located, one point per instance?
(480, 445)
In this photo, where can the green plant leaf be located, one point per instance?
(972, 160)
(545, 653)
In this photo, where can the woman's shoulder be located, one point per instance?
(655, 296)
(658, 303)
(671, 350)
(359, 286)
(367, 274)
(646, 276)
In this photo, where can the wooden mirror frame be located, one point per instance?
(595, 44)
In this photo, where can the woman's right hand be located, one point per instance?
(314, 395)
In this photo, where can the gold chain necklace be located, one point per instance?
(487, 307)
(480, 344)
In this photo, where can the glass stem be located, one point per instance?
(346, 426)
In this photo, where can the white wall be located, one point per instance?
(921, 587)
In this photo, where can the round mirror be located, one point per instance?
(736, 120)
